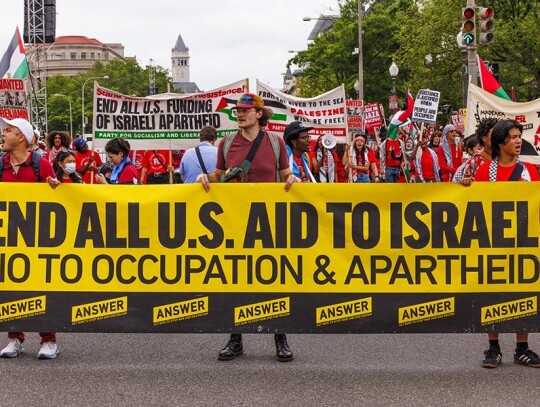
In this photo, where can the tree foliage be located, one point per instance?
(126, 77)
(421, 36)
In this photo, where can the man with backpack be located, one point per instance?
(21, 165)
(200, 159)
(252, 155)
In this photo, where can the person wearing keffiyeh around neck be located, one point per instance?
(449, 153)
(362, 160)
(297, 140)
(506, 145)
(323, 161)
(124, 172)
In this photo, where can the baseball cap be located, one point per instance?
(295, 128)
(23, 125)
(79, 143)
(250, 100)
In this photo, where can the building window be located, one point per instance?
(73, 55)
(83, 55)
(99, 55)
(92, 55)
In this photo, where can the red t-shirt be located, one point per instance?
(151, 161)
(504, 173)
(427, 163)
(393, 145)
(446, 170)
(129, 175)
(136, 157)
(26, 172)
(263, 166)
(82, 159)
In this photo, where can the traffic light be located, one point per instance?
(468, 26)
(486, 25)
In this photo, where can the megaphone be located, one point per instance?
(329, 141)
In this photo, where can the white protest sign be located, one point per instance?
(326, 113)
(426, 106)
(482, 105)
(165, 121)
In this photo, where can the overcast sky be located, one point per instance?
(228, 39)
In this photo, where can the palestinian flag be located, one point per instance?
(13, 62)
(401, 116)
(488, 81)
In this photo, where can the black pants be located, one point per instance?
(158, 178)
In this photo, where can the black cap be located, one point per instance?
(295, 128)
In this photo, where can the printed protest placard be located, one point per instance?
(166, 121)
(426, 106)
(325, 113)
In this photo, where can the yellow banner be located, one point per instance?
(388, 238)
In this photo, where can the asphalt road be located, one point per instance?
(328, 370)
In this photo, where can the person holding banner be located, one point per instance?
(449, 153)
(297, 139)
(233, 152)
(483, 134)
(65, 169)
(21, 165)
(506, 145)
(124, 172)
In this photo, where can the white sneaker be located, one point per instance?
(13, 349)
(48, 350)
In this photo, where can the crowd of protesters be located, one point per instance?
(417, 155)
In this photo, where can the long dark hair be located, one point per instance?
(500, 132)
(59, 172)
(362, 152)
(117, 145)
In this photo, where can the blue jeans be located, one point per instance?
(391, 174)
(362, 178)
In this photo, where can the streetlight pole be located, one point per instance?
(82, 98)
(360, 53)
(70, 112)
(464, 73)
(471, 53)
(394, 71)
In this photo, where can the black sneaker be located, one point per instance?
(528, 358)
(493, 357)
(233, 348)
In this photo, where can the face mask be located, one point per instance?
(69, 168)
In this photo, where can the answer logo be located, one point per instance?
(95, 311)
(260, 311)
(344, 311)
(426, 311)
(509, 310)
(178, 311)
(27, 307)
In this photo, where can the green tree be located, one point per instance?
(124, 77)
(421, 36)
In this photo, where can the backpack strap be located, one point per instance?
(36, 157)
(227, 145)
(201, 162)
(273, 141)
(2, 165)
(277, 152)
